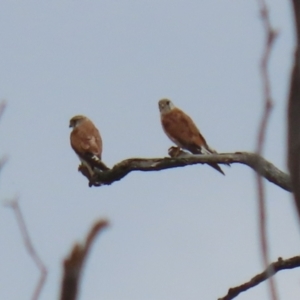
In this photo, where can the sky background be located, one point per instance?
(185, 233)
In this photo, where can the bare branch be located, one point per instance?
(29, 247)
(281, 264)
(254, 161)
(268, 103)
(294, 114)
(74, 264)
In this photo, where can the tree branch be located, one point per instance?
(277, 266)
(74, 264)
(254, 161)
(271, 34)
(294, 114)
(29, 247)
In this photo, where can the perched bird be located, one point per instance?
(86, 142)
(181, 130)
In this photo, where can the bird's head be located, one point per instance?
(165, 106)
(76, 120)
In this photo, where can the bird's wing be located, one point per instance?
(181, 129)
(86, 140)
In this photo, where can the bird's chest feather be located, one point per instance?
(173, 129)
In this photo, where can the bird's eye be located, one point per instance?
(168, 102)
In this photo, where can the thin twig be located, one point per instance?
(281, 264)
(268, 103)
(29, 247)
(74, 263)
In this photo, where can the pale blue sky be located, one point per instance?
(186, 233)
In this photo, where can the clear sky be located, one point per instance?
(186, 233)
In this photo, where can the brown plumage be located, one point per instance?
(181, 129)
(86, 141)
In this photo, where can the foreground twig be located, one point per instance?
(74, 264)
(268, 103)
(3, 161)
(254, 161)
(29, 247)
(281, 264)
(294, 113)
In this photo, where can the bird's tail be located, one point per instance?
(209, 150)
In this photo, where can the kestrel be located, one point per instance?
(181, 130)
(86, 142)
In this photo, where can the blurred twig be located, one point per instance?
(270, 38)
(281, 264)
(2, 107)
(74, 264)
(29, 247)
(3, 159)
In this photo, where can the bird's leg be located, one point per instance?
(174, 151)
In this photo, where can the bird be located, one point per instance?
(182, 131)
(86, 142)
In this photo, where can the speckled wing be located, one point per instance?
(181, 129)
(86, 141)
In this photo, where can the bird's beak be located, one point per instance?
(70, 125)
